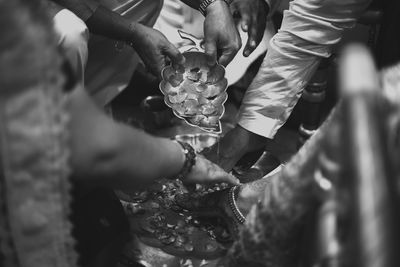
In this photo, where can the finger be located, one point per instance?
(174, 55)
(211, 52)
(227, 178)
(154, 69)
(218, 175)
(253, 40)
(158, 65)
(245, 21)
(226, 57)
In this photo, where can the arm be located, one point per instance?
(308, 32)
(106, 152)
(151, 45)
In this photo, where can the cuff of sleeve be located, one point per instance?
(259, 124)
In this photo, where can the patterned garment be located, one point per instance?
(273, 230)
(272, 233)
(34, 190)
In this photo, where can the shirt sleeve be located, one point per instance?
(84, 9)
(308, 31)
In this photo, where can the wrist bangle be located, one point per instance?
(190, 159)
(205, 3)
(234, 208)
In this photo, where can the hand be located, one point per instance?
(206, 172)
(233, 146)
(253, 20)
(153, 48)
(221, 38)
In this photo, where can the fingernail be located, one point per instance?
(252, 43)
(245, 27)
(246, 53)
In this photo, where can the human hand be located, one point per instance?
(221, 38)
(233, 146)
(154, 49)
(253, 20)
(206, 172)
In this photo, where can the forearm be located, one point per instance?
(106, 152)
(111, 24)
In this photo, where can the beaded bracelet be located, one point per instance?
(232, 204)
(190, 159)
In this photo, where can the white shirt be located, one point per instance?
(308, 31)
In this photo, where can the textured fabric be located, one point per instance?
(34, 198)
(272, 233)
(309, 29)
(33, 129)
(269, 236)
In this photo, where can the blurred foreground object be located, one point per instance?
(35, 230)
(343, 174)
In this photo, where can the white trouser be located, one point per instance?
(309, 30)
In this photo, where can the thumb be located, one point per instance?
(211, 52)
(220, 176)
(229, 179)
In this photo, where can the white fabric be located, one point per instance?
(309, 29)
(73, 36)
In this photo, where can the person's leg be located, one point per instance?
(73, 37)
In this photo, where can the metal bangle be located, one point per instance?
(205, 3)
(232, 204)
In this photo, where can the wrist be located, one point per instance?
(134, 34)
(188, 158)
(130, 37)
(210, 6)
(251, 141)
